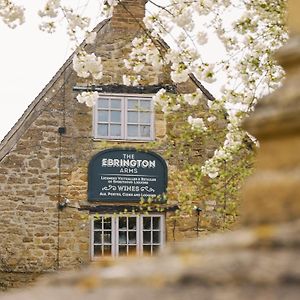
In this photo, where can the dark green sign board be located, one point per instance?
(126, 175)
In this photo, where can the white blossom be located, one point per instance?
(11, 14)
(234, 108)
(51, 9)
(197, 123)
(211, 119)
(126, 80)
(89, 98)
(193, 99)
(87, 64)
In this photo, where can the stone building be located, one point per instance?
(259, 261)
(51, 182)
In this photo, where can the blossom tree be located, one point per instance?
(246, 33)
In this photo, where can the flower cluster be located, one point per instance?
(131, 80)
(51, 9)
(89, 98)
(51, 13)
(197, 123)
(11, 14)
(167, 102)
(76, 22)
(144, 52)
(87, 65)
(194, 98)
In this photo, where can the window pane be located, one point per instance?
(133, 104)
(115, 103)
(115, 116)
(145, 117)
(147, 237)
(133, 117)
(145, 130)
(147, 250)
(122, 223)
(98, 224)
(147, 222)
(156, 222)
(115, 130)
(132, 237)
(122, 250)
(156, 237)
(133, 130)
(122, 237)
(132, 223)
(145, 104)
(107, 237)
(98, 237)
(102, 115)
(97, 250)
(131, 250)
(107, 223)
(102, 130)
(107, 250)
(103, 103)
(155, 248)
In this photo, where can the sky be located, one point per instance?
(29, 58)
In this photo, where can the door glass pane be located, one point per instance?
(102, 115)
(145, 105)
(115, 103)
(98, 237)
(103, 103)
(133, 117)
(133, 104)
(115, 130)
(147, 237)
(122, 237)
(145, 117)
(132, 237)
(115, 116)
(132, 130)
(145, 130)
(102, 129)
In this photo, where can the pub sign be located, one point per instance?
(126, 175)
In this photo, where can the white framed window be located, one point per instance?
(124, 118)
(119, 235)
